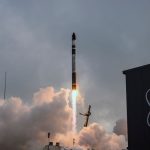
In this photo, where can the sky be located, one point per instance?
(35, 49)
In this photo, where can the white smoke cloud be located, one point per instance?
(22, 125)
(96, 136)
(121, 127)
(25, 126)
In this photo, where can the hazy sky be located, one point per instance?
(35, 48)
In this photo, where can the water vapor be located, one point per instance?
(121, 127)
(95, 136)
(24, 126)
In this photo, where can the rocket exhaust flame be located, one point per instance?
(74, 99)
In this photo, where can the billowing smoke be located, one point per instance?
(24, 126)
(121, 127)
(95, 136)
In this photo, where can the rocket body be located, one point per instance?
(74, 84)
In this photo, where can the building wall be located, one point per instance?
(138, 107)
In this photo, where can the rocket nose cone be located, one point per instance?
(73, 36)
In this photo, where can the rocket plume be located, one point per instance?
(74, 110)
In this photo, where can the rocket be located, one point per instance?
(74, 84)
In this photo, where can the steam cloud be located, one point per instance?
(95, 136)
(121, 127)
(25, 126)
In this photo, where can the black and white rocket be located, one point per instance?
(74, 84)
